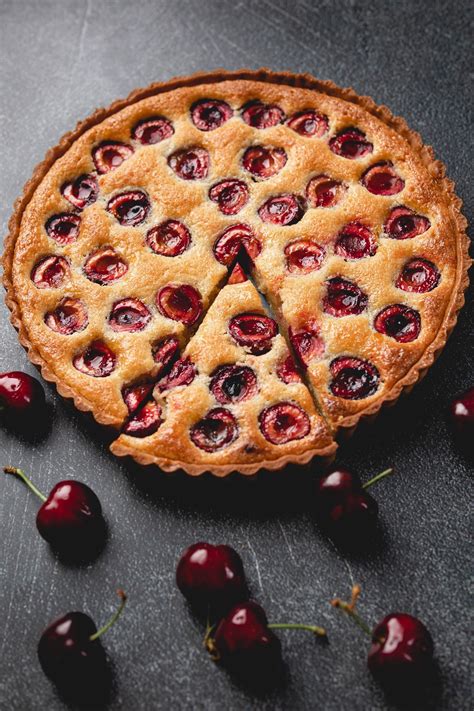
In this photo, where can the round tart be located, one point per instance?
(121, 275)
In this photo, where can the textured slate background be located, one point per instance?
(58, 61)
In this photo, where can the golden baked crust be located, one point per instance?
(297, 298)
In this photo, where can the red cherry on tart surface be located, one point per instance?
(461, 413)
(284, 422)
(216, 430)
(344, 298)
(253, 331)
(136, 395)
(233, 383)
(403, 223)
(70, 316)
(152, 130)
(399, 322)
(382, 179)
(105, 266)
(282, 210)
(180, 302)
(63, 228)
(182, 372)
(418, 276)
(287, 370)
(170, 238)
(259, 115)
(81, 191)
(190, 164)
(264, 162)
(21, 395)
(129, 315)
(355, 241)
(97, 360)
(209, 114)
(211, 578)
(110, 155)
(235, 238)
(145, 421)
(353, 378)
(323, 191)
(50, 272)
(230, 195)
(309, 123)
(351, 143)
(303, 256)
(307, 342)
(130, 208)
(165, 351)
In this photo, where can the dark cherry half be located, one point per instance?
(344, 298)
(303, 256)
(50, 272)
(97, 360)
(382, 179)
(152, 130)
(216, 430)
(351, 143)
(165, 351)
(63, 228)
(253, 331)
(180, 302)
(236, 237)
(287, 370)
(264, 162)
(81, 191)
(110, 155)
(307, 343)
(209, 114)
(260, 115)
(323, 191)
(309, 123)
(233, 383)
(419, 276)
(282, 209)
(399, 322)
(190, 164)
(145, 422)
(130, 208)
(105, 266)
(135, 395)
(230, 195)
(68, 317)
(353, 378)
(355, 241)
(183, 372)
(284, 422)
(129, 315)
(403, 223)
(170, 238)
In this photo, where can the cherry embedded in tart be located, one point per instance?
(307, 342)
(403, 223)
(233, 383)
(130, 208)
(344, 298)
(303, 256)
(253, 331)
(209, 114)
(353, 378)
(260, 115)
(63, 228)
(399, 322)
(180, 302)
(382, 179)
(183, 372)
(165, 351)
(323, 191)
(109, 156)
(282, 210)
(68, 317)
(351, 143)
(50, 272)
(284, 422)
(152, 130)
(135, 395)
(170, 238)
(218, 429)
(105, 266)
(81, 191)
(419, 276)
(235, 238)
(309, 123)
(287, 370)
(230, 196)
(190, 164)
(355, 241)
(144, 422)
(264, 162)
(129, 315)
(97, 360)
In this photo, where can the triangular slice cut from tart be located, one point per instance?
(234, 400)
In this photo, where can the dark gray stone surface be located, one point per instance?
(58, 61)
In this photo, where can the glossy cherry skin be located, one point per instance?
(211, 577)
(309, 123)
(402, 651)
(351, 143)
(462, 415)
(71, 517)
(50, 272)
(353, 378)
(145, 421)
(209, 114)
(216, 430)
(343, 506)
(152, 130)
(20, 394)
(260, 115)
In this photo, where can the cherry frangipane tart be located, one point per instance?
(129, 229)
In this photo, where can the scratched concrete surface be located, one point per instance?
(58, 61)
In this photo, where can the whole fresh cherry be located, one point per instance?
(461, 413)
(401, 654)
(70, 519)
(71, 654)
(211, 578)
(22, 400)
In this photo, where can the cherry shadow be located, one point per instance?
(96, 691)
(32, 429)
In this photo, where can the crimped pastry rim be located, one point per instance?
(305, 81)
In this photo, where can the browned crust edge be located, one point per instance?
(306, 81)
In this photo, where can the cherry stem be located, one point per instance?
(113, 619)
(318, 631)
(21, 474)
(349, 609)
(377, 478)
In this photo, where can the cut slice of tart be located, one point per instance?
(234, 400)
